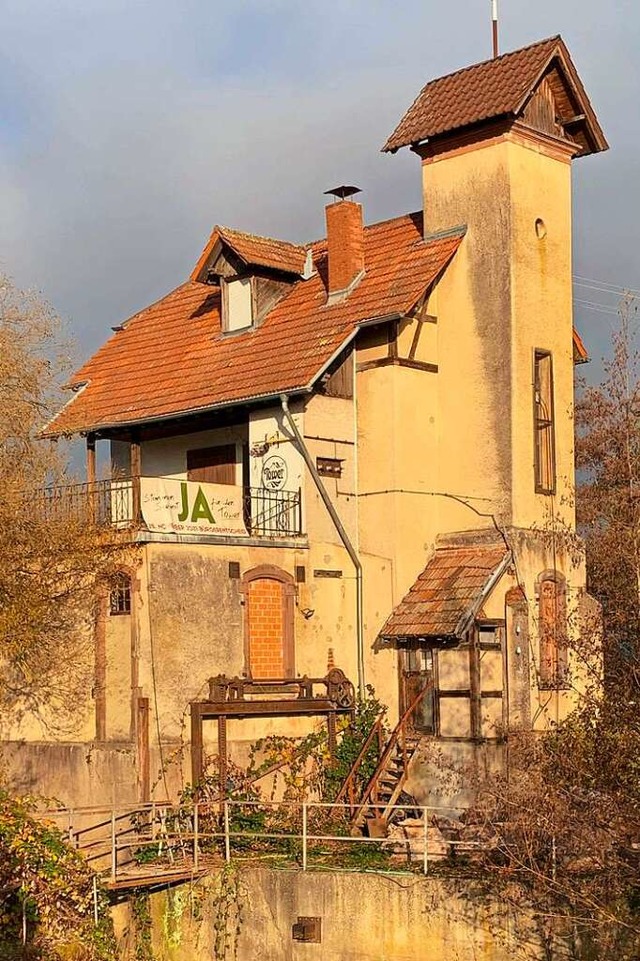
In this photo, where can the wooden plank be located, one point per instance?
(196, 744)
(397, 362)
(301, 706)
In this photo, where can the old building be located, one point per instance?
(419, 372)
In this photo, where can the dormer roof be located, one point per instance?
(501, 88)
(254, 251)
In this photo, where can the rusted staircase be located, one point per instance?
(387, 782)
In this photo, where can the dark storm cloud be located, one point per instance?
(129, 129)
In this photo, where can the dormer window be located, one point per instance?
(237, 303)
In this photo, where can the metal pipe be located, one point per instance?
(494, 27)
(344, 537)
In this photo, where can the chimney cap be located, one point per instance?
(343, 192)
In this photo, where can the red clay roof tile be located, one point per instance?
(255, 251)
(444, 597)
(173, 358)
(489, 90)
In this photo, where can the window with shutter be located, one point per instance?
(212, 465)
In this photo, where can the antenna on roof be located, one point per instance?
(494, 26)
(343, 192)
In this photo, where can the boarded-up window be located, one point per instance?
(237, 303)
(552, 615)
(269, 628)
(545, 454)
(212, 465)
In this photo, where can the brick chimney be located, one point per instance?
(345, 239)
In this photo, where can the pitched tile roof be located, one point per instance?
(447, 595)
(173, 357)
(494, 88)
(255, 251)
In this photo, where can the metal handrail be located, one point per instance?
(350, 780)
(399, 729)
(185, 840)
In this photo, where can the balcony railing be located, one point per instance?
(116, 503)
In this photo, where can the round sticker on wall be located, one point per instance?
(274, 473)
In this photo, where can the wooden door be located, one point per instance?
(417, 674)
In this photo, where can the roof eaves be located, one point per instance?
(176, 415)
(77, 389)
(467, 619)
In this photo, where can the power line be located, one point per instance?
(603, 285)
(601, 308)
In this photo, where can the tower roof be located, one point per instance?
(502, 88)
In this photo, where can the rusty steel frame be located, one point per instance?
(235, 698)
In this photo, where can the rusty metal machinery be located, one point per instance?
(241, 697)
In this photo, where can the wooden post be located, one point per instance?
(100, 647)
(135, 479)
(142, 745)
(474, 684)
(196, 745)
(91, 458)
(91, 477)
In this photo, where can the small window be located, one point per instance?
(544, 428)
(329, 466)
(120, 595)
(237, 303)
(489, 637)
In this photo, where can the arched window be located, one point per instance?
(552, 621)
(269, 622)
(120, 594)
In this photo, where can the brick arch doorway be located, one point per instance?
(269, 622)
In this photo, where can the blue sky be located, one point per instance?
(129, 128)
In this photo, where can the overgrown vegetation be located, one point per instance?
(47, 893)
(51, 557)
(563, 826)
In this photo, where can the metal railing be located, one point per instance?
(397, 745)
(116, 503)
(161, 840)
(273, 513)
(106, 502)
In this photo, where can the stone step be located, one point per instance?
(410, 841)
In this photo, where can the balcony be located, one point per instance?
(164, 505)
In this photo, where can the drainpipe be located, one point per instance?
(344, 537)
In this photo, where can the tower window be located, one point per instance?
(120, 595)
(544, 427)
